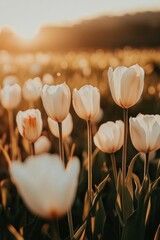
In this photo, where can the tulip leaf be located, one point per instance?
(118, 203)
(80, 232)
(86, 205)
(139, 217)
(14, 232)
(157, 235)
(99, 220)
(137, 184)
(4, 189)
(129, 175)
(154, 184)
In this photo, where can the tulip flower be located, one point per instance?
(67, 126)
(145, 132)
(11, 96)
(86, 102)
(98, 117)
(109, 137)
(46, 187)
(48, 79)
(56, 101)
(42, 145)
(10, 80)
(29, 124)
(126, 85)
(31, 89)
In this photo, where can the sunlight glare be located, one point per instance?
(26, 32)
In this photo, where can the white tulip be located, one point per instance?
(109, 137)
(11, 96)
(126, 85)
(145, 132)
(67, 126)
(29, 124)
(31, 89)
(45, 186)
(42, 145)
(86, 102)
(56, 101)
(10, 80)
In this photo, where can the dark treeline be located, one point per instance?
(141, 30)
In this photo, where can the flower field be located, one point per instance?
(79, 145)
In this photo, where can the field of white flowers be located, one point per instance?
(79, 145)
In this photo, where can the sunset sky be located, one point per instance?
(26, 16)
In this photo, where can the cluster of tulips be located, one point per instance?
(48, 183)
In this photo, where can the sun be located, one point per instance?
(26, 32)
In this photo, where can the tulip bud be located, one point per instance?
(11, 96)
(56, 101)
(145, 132)
(109, 137)
(126, 85)
(31, 89)
(29, 124)
(46, 187)
(42, 145)
(67, 126)
(86, 102)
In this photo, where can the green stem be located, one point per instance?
(70, 223)
(114, 168)
(61, 152)
(124, 161)
(124, 152)
(158, 169)
(11, 131)
(61, 147)
(146, 165)
(89, 134)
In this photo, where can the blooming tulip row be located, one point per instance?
(41, 172)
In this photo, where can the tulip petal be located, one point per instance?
(138, 136)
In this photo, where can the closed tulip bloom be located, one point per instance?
(11, 96)
(42, 145)
(86, 102)
(56, 101)
(32, 89)
(46, 187)
(145, 132)
(126, 85)
(29, 124)
(67, 126)
(109, 137)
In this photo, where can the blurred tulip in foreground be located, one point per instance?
(29, 124)
(56, 101)
(11, 96)
(42, 145)
(126, 85)
(109, 137)
(86, 102)
(67, 126)
(46, 187)
(31, 89)
(145, 132)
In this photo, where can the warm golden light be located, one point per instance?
(26, 16)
